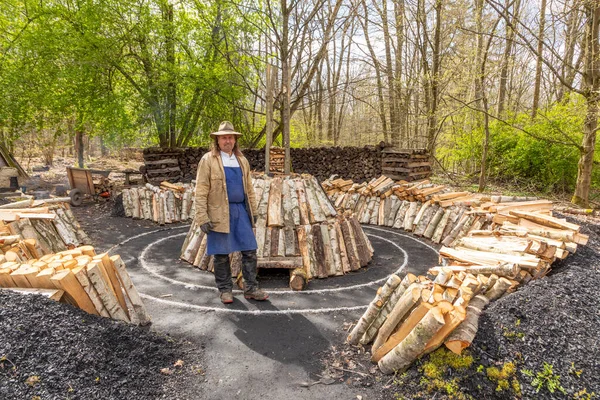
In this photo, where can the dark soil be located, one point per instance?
(55, 351)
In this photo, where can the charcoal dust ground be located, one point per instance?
(55, 351)
(545, 333)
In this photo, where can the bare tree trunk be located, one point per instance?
(401, 109)
(507, 57)
(389, 73)
(568, 68)
(79, 146)
(285, 85)
(269, 115)
(591, 82)
(171, 85)
(378, 77)
(434, 78)
(538, 66)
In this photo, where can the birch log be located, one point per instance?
(409, 349)
(374, 307)
(464, 334)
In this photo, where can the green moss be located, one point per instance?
(431, 370)
(516, 387)
(584, 395)
(504, 377)
(437, 366)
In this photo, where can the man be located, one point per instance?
(226, 209)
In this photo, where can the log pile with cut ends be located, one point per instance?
(358, 163)
(492, 245)
(277, 159)
(103, 185)
(409, 165)
(164, 204)
(298, 229)
(162, 165)
(50, 223)
(97, 283)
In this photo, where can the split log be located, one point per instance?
(105, 292)
(387, 308)
(66, 280)
(81, 275)
(452, 320)
(411, 213)
(499, 288)
(399, 220)
(463, 335)
(434, 222)
(132, 294)
(413, 345)
(375, 306)
(410, 297)
(274, 214)
(546, 220)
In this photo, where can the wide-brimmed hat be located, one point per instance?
(226, 128)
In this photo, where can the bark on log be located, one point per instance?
(132, 294)
(105, 292)
(463, 335)
(406, 302)
(375, 306)
(409, 349)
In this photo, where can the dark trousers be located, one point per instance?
(222, 271)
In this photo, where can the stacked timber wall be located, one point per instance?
(357, 163)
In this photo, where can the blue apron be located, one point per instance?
(240, 236)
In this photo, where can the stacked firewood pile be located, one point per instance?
(298, 229)
(103, 185)
(492, 244)
(49, 222)
(277, 159)
(164, 204)
(357, 163)
(162, 165)
(43, 249)
(97, 283)
(409, 165)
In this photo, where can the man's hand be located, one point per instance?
(207, 227)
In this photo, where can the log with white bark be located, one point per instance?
(413, 345)
(373, 309)
(106, 294)
(499, 288)
(406, 302)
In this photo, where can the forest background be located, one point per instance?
(498, 90)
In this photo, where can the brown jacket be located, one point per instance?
(212, 204)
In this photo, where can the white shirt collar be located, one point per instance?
(229, 161)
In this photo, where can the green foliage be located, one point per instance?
(545, 379)
(125, 69)
(512, 334)
(541, 153)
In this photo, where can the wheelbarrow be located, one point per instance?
(82, 183)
